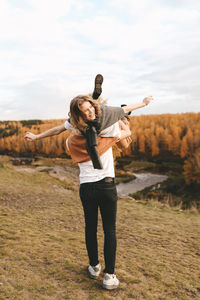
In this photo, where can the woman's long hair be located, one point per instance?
(76, 117)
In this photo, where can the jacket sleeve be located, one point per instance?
(110, 115)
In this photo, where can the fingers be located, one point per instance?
(29, 136)
(147, 100)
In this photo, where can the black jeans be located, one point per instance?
(103, 195)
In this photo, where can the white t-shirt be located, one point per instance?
(87, 171)
(68, 126)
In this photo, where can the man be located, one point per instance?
(98, 191)
(97, 187)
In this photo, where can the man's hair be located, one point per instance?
(76, 116)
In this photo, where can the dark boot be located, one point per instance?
(97, 86)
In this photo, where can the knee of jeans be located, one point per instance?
(91, 230)
(109, 230)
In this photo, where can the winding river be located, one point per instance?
(142, 181)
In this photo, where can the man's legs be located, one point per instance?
(90, 207)
(107, 199)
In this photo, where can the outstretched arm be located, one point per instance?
(53, 131)
(132, 107)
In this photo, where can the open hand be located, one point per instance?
(147, 100)
(30, 136)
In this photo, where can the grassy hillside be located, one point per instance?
(42, 250)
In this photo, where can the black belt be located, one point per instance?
(107, 180)
(104, 180)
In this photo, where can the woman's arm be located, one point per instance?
(125, 138)
(124, 143)
(132, 107)
(53, 131)
(124, 130)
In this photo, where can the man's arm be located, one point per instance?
(53, 131)
(132, 107)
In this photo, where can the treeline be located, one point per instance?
(15, 144)
(166, 137)
(8, 128)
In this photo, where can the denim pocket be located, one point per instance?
(107, 190)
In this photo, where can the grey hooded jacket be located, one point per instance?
(109, 116)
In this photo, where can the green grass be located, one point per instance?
(122, 176)
(139, 165)
(42, 248)
(124, 179)
(133, 165)
(174, 192)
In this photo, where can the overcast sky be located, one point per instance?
(51, 50)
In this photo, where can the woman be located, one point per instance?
(97, 187)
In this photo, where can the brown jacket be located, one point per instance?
(77, 146)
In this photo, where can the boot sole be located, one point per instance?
(97, 84)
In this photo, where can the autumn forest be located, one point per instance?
(166, 137)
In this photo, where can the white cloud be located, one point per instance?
(51, 50)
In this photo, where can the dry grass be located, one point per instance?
(42, 249)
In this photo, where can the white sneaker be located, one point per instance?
(94, 271)
(110, 282)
